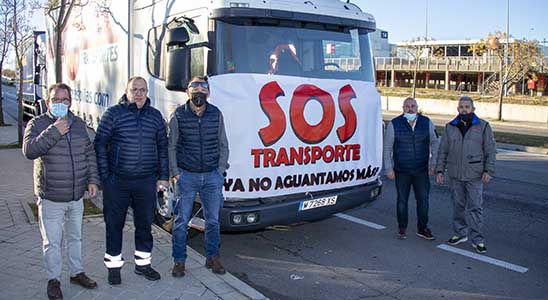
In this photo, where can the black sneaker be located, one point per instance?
(114, 277)
(148, 272)
(425, 233)
(454, 240)
(480, 248)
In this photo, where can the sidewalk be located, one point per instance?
(518, 127)
(514, 127)
(22, 274)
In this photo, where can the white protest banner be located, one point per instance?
(294, 135)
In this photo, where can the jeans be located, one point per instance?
(209, 186)
(118, 195)
(52, 217)
(421, 188)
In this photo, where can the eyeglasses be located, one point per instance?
(60, 100)
(141, 90)
(196, 84)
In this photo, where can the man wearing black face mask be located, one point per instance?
(198, 157)
(468, 151)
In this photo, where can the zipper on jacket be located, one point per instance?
(201, 144)
(72, 164)
(140, 137)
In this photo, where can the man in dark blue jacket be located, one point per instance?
(131, 146)
(410, 146)
(198, 157)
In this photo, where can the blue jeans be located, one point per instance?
(209, 185)
(421, 188)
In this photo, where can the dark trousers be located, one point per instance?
(421, 188)
(118, 195)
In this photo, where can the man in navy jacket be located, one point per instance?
(131, 146)
(410, 146)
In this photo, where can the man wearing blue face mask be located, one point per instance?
(410, 146)
(468, 152)
(64, 168)
(198, 157)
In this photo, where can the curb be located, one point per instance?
(522, 148)
(28, 212)
(503, 123)
(240, 286)
(513, 147)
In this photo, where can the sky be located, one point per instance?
(447, 19)
(458, 19)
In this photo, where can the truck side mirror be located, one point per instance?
(178, 59)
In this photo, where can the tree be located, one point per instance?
(19, 27)
(6, 11)
(415, 49)
(59, 13)
(524, 56)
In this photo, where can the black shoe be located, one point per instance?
(148, 272)
(114, 276)
(54, 290)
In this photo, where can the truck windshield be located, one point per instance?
(293, 48)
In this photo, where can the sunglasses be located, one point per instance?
(195, 84)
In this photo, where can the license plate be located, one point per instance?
(315, 203)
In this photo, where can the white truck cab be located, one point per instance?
(293, 79)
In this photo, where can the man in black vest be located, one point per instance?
(410, 146)
(131, 147)
(198, 157)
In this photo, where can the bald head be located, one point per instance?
(410, 105)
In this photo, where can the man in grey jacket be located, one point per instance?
(468, 151)
(64, 168)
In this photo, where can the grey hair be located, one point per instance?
(467, 98)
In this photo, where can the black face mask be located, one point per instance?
(465, 117)
(198, 98)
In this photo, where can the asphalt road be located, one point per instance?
(339, 259)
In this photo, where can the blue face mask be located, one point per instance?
(59, 110)
(410, 117)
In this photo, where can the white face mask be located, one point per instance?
(410, 117)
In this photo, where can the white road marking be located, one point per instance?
(483, 258)
(360, 221)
